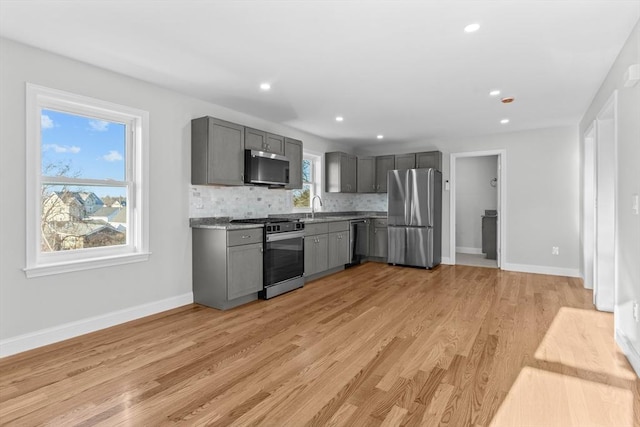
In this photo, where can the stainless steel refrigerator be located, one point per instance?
(415, 217)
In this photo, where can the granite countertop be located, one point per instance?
(220, 223)
(224, 223)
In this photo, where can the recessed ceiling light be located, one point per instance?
(380, 136)
(472, 28)
(494, 92)
(265, 86)
(339, 118)
(504, 121)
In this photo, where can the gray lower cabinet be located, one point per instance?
(293, 152)
(366, 181)
(227, 266)
(340, 172)
(383, 165)
(217, 152)
(255, 139)
(316, 254)
(338, 244)
(379, 238)
(429, 159)
(405, 161)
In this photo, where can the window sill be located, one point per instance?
(88, 264)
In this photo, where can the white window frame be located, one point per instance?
(316, 179)
(136, 249)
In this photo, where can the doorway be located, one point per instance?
(604, 172)
(467, 215)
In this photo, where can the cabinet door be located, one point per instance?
(348, 165)
(379, 242)
(293, 152)
(338, 247)
(405, 161)
(244, 270)
(429, 159)
(217, 155)
(366, 181)
(315, 254)
(254, 139)
(383, 165)
(274, 144)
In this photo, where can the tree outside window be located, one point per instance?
(302, 197)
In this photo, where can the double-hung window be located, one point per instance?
(310, 183)
(86, 183)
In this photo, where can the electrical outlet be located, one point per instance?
(636, 315)
(555, 250)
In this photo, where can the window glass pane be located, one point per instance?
(306, 170)
(82, 217)
(301, 197)
(82, 147)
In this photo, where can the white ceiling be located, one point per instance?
(405, 69)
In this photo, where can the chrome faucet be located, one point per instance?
(313, 210)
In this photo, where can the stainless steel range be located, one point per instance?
(283, 254)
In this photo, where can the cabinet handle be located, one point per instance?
(245, 236)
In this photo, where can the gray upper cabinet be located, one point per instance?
(366, 182)
(217, 155)
(429, 159)
(340, 172)
(262, 141)
(405, 161)
(293, 152)
(383, 165)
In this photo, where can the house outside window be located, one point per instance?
(86, 184)
(311, 178)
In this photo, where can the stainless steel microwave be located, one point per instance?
(264, 168)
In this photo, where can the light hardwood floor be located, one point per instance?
(373, 345)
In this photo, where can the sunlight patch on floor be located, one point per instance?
(543, 398)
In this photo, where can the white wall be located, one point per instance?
(542, 180)
(33, 311)
(628, 184)
(474, 195)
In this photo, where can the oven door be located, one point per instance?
(283, 257)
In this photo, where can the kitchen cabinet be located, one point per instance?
(227, 266)
(379, 239)
(383, 165)
(263, 141)
(340, 172)
(293, 152)
(366, 171)
(316, 254)
(429, 159)
(217, 152)
(405, 161)
(338, 244)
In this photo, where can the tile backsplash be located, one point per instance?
(256, 202)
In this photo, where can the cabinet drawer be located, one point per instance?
(380, 222)
(338, 226)
(244, 236)
(313, 229)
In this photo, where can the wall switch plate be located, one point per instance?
(636, 315)
(635, 205)
(555, 250)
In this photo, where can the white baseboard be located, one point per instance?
(472, 251)
(541, 269)
(629, 350)
(445, 260)
(65, 331)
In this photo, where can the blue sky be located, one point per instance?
(92, 148)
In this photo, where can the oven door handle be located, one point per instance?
(284, 236)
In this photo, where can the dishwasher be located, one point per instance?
(358, 240)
